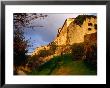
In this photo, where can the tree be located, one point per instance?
(20, 44)
(20, 22)
(20, 48)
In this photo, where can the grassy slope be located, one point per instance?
(64, 65)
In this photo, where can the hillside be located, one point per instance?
(82, 60)
(72, 31)
(64, 65)
(72, 52)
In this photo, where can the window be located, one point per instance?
(89, 24)
(89, 29)
(95, 26)
(57, 35)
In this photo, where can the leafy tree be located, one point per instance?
(20, 48)
(20, 44)
(20, 22)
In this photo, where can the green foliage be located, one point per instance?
(90, 65)
(92, 55)
(21, 44)
(64, 61)
(44, 53)
(21, 21)
(33, 62)
(78, 51)
(20, 48)
(48, 67)
(80, 19)
(53, 47)
(34, 58)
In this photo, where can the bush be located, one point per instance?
(77, 51)
(44, 53)
(33, 62)
(91, 56)
(53, 47)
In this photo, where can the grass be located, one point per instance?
(64, 65)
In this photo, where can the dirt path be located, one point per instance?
(62, 71)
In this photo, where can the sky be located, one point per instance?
(39, 36)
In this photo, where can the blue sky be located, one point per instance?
(40, 36)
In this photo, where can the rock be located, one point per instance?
(73, 31)
(90, 46)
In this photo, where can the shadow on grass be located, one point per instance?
(79, 67)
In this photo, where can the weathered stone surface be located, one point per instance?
(36, 51)
(61, 38)
(71, 33)
(90, 47)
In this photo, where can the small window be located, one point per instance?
(95, 26)
(89, 29)
(89, 24)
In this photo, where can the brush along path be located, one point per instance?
(64, 65)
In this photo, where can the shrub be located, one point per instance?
(53, 47)
(44, 53)
(77, 51)
(33, 62)
(91, 55)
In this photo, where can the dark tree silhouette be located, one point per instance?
(20, 22)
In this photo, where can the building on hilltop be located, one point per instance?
(72, 32)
